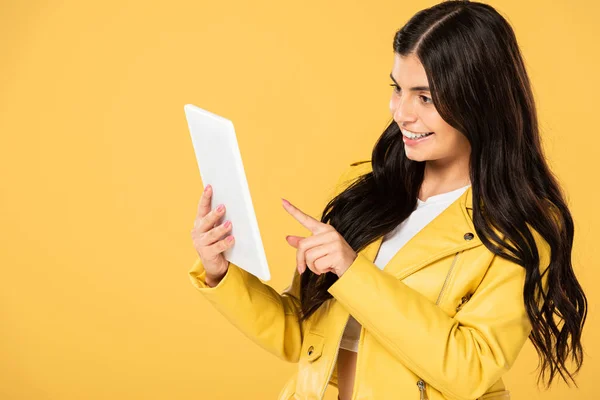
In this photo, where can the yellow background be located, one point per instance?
(100, 185)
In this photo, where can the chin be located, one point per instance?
(415, 157)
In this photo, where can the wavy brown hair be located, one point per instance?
(480, 87)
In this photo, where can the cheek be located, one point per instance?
(451, 142)
(434, 123)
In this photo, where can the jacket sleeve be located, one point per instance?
(461, 356)
(267, 317)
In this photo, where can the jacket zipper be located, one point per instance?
(446, 280)
(421, 383)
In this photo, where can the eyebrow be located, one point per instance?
(414, 88)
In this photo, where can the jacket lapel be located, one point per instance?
(448, 233)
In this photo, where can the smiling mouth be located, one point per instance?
(415, 135)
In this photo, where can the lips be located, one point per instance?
(409, 134)
(414, 133)
(411, 142)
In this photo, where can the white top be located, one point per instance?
(423, 214)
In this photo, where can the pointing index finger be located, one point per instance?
(306, 220)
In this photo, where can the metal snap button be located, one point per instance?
(310, 350)
(469, 236)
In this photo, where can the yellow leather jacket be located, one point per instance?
(445, 318)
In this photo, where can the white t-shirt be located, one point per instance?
(423, 214)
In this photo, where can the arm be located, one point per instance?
(461, 356)
(266, 317)
(263, 315)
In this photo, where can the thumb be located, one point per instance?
(294, 241)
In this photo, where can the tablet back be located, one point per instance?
(220, 164)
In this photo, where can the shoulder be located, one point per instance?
(357, 168)
(360, 167)
(351, 173)
(359, 162)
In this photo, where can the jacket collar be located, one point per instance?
(448, 233)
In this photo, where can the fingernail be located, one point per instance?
(285, 201)
(220, 208)
(230, 238)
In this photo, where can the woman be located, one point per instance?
(436, 259)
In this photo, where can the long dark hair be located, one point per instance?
(480, 87)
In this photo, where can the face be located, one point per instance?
(413, 110)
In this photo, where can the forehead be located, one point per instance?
(409, 70)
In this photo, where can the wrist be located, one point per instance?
(213, 281)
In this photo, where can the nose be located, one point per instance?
(402, 109)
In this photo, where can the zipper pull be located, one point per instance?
(421, 385)
(463, 301)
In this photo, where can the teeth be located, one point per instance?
(411, 135)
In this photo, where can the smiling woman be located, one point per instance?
(435, 261)
(426, 135)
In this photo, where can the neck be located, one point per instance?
(442, 176)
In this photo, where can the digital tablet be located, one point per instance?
(220, 164)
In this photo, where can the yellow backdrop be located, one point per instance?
(99, 182)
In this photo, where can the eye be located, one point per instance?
(397, 91)
(425, 97)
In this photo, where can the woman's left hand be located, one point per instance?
(326, 250)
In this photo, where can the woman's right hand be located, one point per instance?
(207, 238)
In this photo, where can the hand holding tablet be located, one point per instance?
(206, 237)
(220, 164)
